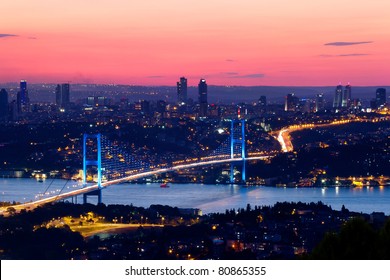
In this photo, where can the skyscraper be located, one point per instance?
(182, 91)
(380, 97)
(23, 101)
(320, 102)
(291, 103)
(202, 89)
(346, 100)
(338, 96)
(3, 105)
(63, 95)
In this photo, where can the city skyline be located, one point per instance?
(248, 43)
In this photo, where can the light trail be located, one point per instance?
(284, 138)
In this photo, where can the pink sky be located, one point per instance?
(154, 42)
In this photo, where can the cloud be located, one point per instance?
(7, 35)
(32, 38)
(232, 75)
(344, 55)
(154, 77)
(342, 44)
(230, 60)
(354, 54)
(251, 76)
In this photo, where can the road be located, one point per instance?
(284, 138)
(91, 230)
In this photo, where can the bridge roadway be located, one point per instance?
(62, 196)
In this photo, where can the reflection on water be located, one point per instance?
(209, 198)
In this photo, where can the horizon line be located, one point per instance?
(174, 86)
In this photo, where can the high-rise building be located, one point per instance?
(346, 100)
(291, 103)
(22, 99)
(380, 97)
(203, 105)
(182, 91)
(338, 97)
(262, 104)
(63, 95)
(320, 102)
(3, 105)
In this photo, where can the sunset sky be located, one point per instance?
(228, 42)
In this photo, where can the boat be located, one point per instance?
(40, 177)
(164, 185)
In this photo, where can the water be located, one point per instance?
(208, 198)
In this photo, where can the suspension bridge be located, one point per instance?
(113, 165)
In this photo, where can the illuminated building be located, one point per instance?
(380, 97)
(22, 99)
(97, 101)
(346, 100)
(203, 105)
(338, 96)
(356, 104)
(291, 103)
(63, 95)
(320, 102)
(182, 91)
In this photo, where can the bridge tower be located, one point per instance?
(237, 147)
(97, 161)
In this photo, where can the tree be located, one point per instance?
(357, 240)
(11, 211)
